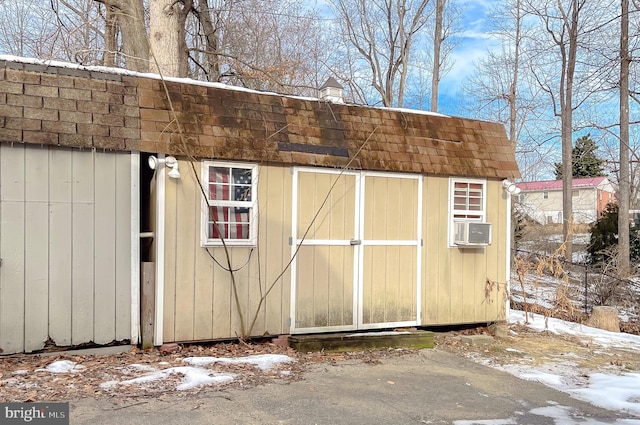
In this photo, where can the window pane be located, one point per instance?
(232, 223)
(460, 200)
(468, 197)
(242, 184)
(219, 183)
(467, 216)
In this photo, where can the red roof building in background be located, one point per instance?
(542, 200)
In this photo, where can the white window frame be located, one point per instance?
(205, 240)
(452, 211)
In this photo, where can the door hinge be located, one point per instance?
(289, 321)
(290, 240)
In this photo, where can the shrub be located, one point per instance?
(604, 236)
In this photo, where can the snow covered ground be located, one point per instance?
(612, 389)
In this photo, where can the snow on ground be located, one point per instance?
(616, 391)
(262, 361)
(600, 337)
(197, 376)
(192, 377)
(62, 366)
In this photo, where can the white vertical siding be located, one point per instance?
(12, 243)
(65, 244)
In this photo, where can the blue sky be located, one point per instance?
(473, 43)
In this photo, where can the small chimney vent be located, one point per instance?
(331, 91)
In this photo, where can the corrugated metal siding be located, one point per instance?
(199, 302)
(65, 244)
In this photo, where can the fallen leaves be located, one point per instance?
(30, 378)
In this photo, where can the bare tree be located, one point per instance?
(28, 29)
(500, 89)
(562, 31)
(129, 17)
(437, 44)
(446, 19)
(383, 32)
(623, 183)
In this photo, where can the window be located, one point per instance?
(575, 193)
(467, 203)
(230, 208)
(545, 195)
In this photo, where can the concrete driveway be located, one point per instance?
(431, 387)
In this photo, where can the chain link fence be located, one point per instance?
(566, 289)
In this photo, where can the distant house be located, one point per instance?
(542, 200)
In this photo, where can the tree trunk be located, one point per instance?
(513, 98)
(129, 15)
(168, 44)
(437, 45)
(110, 39)
(566, 97)
(623, 180)
(212, 37)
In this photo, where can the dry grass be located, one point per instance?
(534, 348)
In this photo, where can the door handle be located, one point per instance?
(355, 242)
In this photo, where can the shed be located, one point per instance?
(290, 215)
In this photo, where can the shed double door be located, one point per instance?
(356, 249)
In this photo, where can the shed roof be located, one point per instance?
(115, 109)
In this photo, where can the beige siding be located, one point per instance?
(324, 293)
(200, 303)
(455, 288)
(199, 299)
(389, 271)
(65, 245)
(585, 205)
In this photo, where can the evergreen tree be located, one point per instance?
(586, 162)
(604, 233)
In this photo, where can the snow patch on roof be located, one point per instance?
(126, 72)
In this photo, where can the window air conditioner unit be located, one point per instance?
(472, 233)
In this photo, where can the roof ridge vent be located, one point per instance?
(331, 91)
